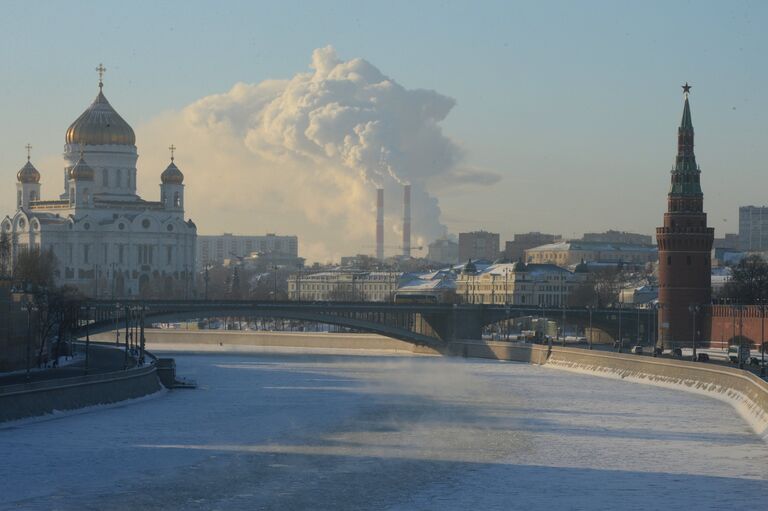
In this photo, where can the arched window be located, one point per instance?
(18, 199)
(86, 196)
(176, 200)
(119, 178)
(71, 195)
(105, 177)
(32, 195)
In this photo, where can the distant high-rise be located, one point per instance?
(443, 251)
(753, 228)
(618, 237)
(215, 249)
(516, 248)
(685, 244)
(478, 245)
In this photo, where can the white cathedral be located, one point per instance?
(108, 241)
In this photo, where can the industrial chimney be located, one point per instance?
(380, 224)
(407, 221)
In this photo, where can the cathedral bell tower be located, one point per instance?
(172, 186)
(685, 244)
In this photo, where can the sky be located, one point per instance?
(505, 116)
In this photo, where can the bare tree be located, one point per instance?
(35, 267)
(749, 282)
(6, 251)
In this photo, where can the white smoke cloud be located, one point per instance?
(305, 155)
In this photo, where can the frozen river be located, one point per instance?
(337, 431)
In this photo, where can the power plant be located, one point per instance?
(380, 224)
(406, 244)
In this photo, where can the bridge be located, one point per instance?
(429, 324)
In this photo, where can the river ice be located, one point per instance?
(297, 430)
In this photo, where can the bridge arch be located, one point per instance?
(173, 316)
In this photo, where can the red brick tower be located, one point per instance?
(685, 244)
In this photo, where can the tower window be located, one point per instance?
(669, 260)
(688, 260)
(176, 200)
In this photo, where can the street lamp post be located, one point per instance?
(694, 310)
(621, 340)
(563, 326)
(87, 336)
(761, 303)
(589, 311)
(117, 327)
(29, 307)
(205, 279)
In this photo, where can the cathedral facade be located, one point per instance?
(107, 240)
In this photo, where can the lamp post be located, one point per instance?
(590, 308)
(113, 267)
(694, 310)
(29, 307)
(207, 267)
(87, 336)
(274, 291)
(562, 329)
(621, 340)
(117, 328)
(761, 302)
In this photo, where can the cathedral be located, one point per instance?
(108, 241)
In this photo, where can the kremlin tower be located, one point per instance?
(685, 244)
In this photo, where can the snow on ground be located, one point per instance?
(299, 430)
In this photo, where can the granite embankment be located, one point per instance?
(111, 384)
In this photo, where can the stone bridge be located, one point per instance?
(426, 324)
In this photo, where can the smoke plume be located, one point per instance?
(305, 156)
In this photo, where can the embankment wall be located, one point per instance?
(44, 397)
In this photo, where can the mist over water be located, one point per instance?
(298, 430)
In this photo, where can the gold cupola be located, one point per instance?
(172, 175)
(100, 124)
(28, 174)
(81, 171)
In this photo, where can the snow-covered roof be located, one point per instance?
(600, 246)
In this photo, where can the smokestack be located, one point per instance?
(380, 224)
(407, 221)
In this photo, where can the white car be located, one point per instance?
(637, 349)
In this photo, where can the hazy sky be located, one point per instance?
(551, 116)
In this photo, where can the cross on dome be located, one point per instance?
(172, 148)
(101, 70)
(28, 147)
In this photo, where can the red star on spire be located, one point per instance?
(686, 88)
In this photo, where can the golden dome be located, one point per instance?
(81, 171)
(28, 174)
(172, 175)
(100, 124)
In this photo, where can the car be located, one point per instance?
(677, 352)
(637, 349)
(702, 357)
(738, 353)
